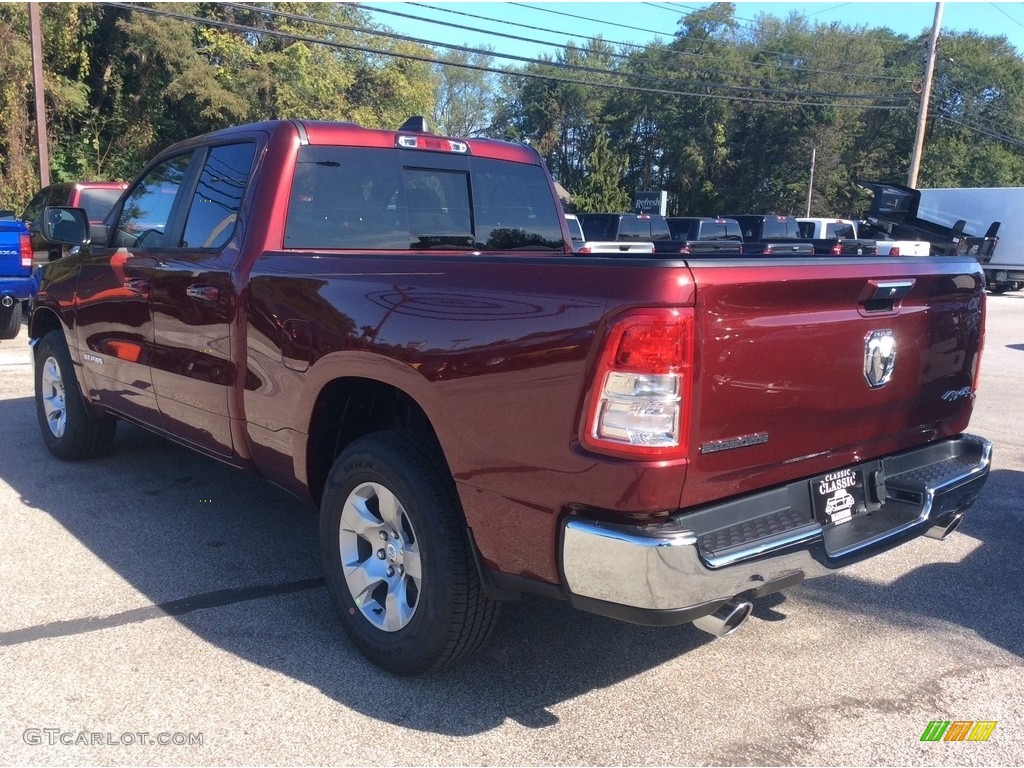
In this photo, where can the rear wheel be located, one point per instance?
(69, 429)
(10, 321)
(396, 556)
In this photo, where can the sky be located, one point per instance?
(638, 22)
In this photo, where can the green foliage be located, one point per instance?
(723, 115)
(466, 95)
(121, 85)
(602, 190)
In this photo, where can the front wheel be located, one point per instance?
(70, 430)
(396, 556)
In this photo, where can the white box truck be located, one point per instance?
(979, 207)
(964, 221)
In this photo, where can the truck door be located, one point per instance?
(194, 303)
(113, 322)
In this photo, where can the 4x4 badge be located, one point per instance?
(879, 357)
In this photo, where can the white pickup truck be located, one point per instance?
(581, 245)
(847, 228)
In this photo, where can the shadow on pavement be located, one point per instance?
(984, 592)
(234, 559)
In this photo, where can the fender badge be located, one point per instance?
(92, 358)
(727, 444)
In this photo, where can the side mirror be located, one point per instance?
(65, 226)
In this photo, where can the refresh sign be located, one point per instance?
(650, 202)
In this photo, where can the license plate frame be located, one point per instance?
(838, 497)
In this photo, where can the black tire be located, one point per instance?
(10, 321)
(402, 625)
(70, 430)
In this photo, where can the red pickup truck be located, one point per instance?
(393, 325)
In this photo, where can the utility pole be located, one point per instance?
(810, 186)
(926, 92)
(35, 32)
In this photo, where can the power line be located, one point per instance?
(941, 115)
(572, 67)
(749, 28)
(510, 73)
(690, 55)
(677, 35)
(1015, 21)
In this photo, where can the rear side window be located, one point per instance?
(218, 196)
(98, 202)
(575, 231)
(361, 198)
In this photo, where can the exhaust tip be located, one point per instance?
(944, 529)
(7, 301)
(727, 619)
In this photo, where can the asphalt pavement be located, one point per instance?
(159, 608)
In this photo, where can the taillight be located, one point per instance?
(642, 392)
(685, 249)
(585, 249)
(767, 250)
(25, 245)
(837, 249)
(894, 251)
(981, 344)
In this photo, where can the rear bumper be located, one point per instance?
(744, 548)
(18, 288)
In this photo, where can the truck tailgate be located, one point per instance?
(793, 365)
(10, 250)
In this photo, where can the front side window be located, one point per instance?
(218, 196)
(384, 199)
(145, 214)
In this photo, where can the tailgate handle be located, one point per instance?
(885, 295)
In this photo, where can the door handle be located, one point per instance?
(137, 285)
(203, 292)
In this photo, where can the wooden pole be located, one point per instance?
(37, 83)
(926, 92)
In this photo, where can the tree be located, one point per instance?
(602, 190)
(465, 95)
